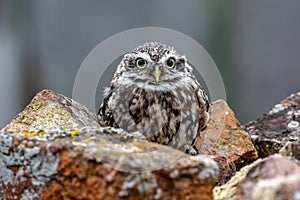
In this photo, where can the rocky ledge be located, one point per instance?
(274, 129)
(55, 149)
(99, 164)
(273, 175)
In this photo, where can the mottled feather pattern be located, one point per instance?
(164, 103)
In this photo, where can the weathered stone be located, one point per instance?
(272, 130)
(291, 149)
(224, 136)
(55, 149)
(274, 177)
(51, 111)
(227, 169)
(102, 163)
(228, 190)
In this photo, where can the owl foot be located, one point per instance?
(189, 150)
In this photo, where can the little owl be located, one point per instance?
(155, 92)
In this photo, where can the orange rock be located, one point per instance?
(224, 136)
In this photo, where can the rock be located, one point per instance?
(51, 111)
(228, 190)
(227, 169)
(274, 129)
(291, 149)
(103, 163)
(274, 177)
(55, 149)
(224, 136)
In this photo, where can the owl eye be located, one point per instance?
(141, 63)
(170, 63)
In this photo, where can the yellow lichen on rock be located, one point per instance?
(32, 133)
(50, 111)
(74, 133)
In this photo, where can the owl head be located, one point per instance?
(153, 65)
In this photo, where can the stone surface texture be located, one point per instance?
(55, 149)
(227, 169)
(291, 149)
(274, 129)
(224, 136)
(228, 190)
(274, 177)
(99, 164)
(52, 111)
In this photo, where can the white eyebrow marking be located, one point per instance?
(144, 55)
(168, 55)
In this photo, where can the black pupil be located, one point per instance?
(141, 62)
(170, 62)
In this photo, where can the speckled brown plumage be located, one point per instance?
(154, 91)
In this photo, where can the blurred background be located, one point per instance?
(255, 44)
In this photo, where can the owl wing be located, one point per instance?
(105, 116)
(204, 107)
(203, 103)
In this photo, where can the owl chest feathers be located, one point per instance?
(166, 117)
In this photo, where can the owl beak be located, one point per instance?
(156, 73)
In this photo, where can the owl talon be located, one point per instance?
(188, 149)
